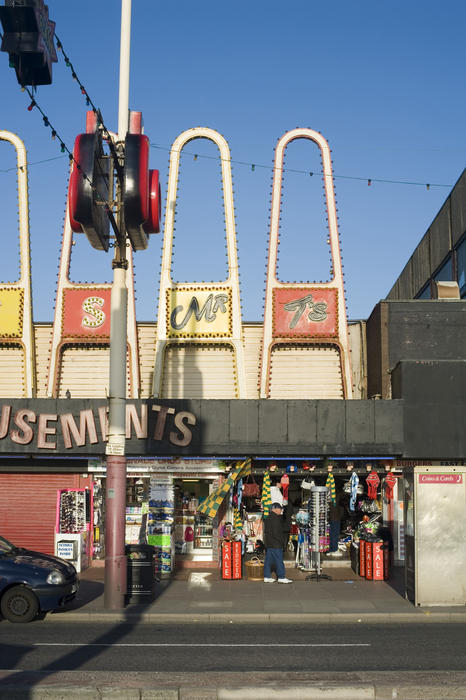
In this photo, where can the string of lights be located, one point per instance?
(310, 173)
(64, 148)
(36, 162)
(90, 103)
(253, 166)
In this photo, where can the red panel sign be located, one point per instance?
(236, 568)
(305, 312)
(369, 570)
(86, 313)
(440, 478)
(226, 560)
(362, 558)
(377, 561)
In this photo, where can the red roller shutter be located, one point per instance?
(28, 507)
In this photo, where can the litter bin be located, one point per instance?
(140, 570)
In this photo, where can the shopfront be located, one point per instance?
(188, 488)
(188, 508)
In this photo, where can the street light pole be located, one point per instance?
(115, 503)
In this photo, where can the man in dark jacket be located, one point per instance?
(274, 540)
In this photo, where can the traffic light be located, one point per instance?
(152, 225)
(136, 189)
(89, 208)
(141, 192)
(28, 39)
(88, 190)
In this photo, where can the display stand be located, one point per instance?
(73, 533)
(318, 529)
(161, 518)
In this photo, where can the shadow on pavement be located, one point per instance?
(79, 656)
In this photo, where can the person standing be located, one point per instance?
(274, 540)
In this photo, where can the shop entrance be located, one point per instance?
(193, 532)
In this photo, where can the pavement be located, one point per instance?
(194, 596)
(200, 595)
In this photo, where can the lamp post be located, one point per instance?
(115, 502)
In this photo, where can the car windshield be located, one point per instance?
(6, 546)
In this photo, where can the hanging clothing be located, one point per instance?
(285, 482)
(266, 500)
(276, 495)
(214, 500)
(372, 482)
(330, 484)
(354, 491)
(237, 520)
(239, 491)
(389, 483)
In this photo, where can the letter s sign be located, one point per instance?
(93, 316)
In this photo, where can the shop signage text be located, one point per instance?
(204, 313)
(317, 310)
(440, 478)
(42, 430)
(305, 312)
(212, 306)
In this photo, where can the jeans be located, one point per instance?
(334, 535)
(274, 558)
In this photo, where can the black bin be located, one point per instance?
(140, 571)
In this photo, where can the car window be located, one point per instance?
(5, 546)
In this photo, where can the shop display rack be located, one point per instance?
(318, 530)
(161, 518)
(202, 532)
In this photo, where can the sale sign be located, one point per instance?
(236, 564)
(226, 560)
(377, 561)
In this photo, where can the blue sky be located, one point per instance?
(384, 83)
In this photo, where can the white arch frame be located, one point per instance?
(272, 280)
(24, 281)
(232, 281)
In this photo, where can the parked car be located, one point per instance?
(31, 582)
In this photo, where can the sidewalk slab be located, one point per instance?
(196, 599)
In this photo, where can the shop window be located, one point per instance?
(461, 268)
(445, 273)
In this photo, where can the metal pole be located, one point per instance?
(115, 503)
(125, 41)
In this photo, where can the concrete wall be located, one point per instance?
(434, 397)
(412, 330)
(442, 236)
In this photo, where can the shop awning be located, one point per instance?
(213, 502)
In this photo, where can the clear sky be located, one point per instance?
(383, 82)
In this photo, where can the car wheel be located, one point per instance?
(19, 604)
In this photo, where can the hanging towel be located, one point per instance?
(390, 481)
(354, 490)
(239, 491)
(237, 520)
(266, 500)
(372, 482)
(330, 484)
(285, 482)
(212, 503)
